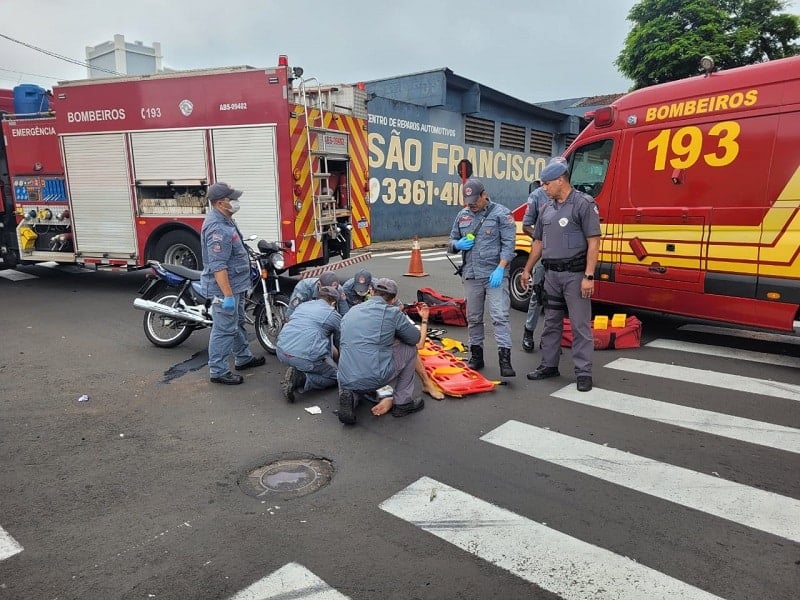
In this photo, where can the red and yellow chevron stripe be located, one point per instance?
(308, 247)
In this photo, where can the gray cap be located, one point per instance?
(220, 191)
(387, 286)
(329, 293)
(473, 188)
(328, 278)
(362, 281)
(554, 169)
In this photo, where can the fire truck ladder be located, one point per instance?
(324, 202)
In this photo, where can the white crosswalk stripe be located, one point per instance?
(767, 358)
(8, 545)
(748, 506)
(290, 581)
(750, 385)
(575, 569)
(564, 565)
(737, 428)
(433, 255)
(743, 333)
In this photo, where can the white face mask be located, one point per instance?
(234, 206)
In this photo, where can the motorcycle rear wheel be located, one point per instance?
(164, 331)
(268, 336)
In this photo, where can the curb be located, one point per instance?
(424, 244)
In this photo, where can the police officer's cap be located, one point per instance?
(554, 169)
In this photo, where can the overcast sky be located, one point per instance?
(534, 50)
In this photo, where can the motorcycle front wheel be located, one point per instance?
(164, 331)
(268, 336)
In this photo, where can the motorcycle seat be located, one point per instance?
(190, 274)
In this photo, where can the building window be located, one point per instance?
(541, 142)
(512, 137)
(479, 131)
(568, 139)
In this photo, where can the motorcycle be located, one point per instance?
(174, 306)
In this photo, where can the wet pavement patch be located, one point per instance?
(197, 362)
(291, 476)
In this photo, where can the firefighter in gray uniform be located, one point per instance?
(567, 238)
(308, 289)
(484, 233)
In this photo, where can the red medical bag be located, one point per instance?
(629, 336)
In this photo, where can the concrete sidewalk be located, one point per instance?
(424, 244)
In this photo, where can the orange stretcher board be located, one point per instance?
(450, 373)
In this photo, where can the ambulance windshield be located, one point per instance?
(590, 165)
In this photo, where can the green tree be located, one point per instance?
(668, 37)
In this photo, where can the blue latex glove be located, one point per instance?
(229, 303)
(464, 244)
(496, 278)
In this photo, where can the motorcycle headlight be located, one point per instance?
(277, 261)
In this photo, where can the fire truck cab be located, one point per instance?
(698, 186)
(136, 155)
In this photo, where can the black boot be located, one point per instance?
(506, 370)
(527, 340)
(475, 358)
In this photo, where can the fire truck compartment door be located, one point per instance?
(99, 194)
(161, 156)
(244, 158)
(663, 247)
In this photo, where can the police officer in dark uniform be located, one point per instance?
(536, 201)
(567, 238)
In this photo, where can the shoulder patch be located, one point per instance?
(510, 218)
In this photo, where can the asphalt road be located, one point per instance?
(677, 477)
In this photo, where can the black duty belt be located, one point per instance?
(573, 265)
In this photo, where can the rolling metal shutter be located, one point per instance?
(177, 155)
(99, 191)
(244, 158)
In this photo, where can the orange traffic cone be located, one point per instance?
(415, 264)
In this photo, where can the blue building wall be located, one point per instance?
(417, 138)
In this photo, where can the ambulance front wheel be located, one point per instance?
(520, 296)
(180, 248)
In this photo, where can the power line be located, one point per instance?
(59, 56)
(28, 74)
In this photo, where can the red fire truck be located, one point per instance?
(118, 175)
(698, 186)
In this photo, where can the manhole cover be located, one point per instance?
(288, 478)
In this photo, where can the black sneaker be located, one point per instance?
(292, 380)
(543, 373)
(584, 383)
(347, 408)
(256, 361)
(401, 410)
(228, 379)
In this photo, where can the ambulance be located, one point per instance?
(698, 186)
